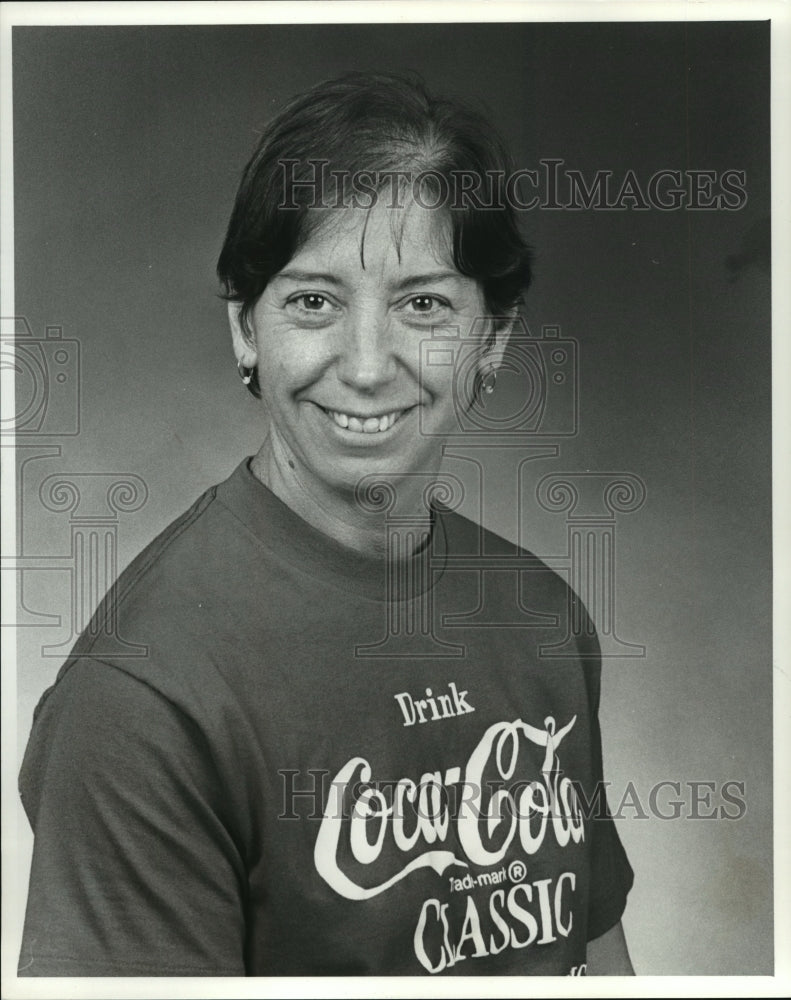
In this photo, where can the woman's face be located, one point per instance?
(339, 341)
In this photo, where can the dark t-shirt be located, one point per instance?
(321, 765)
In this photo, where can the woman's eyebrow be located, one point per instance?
(293, 274)
(416, 280)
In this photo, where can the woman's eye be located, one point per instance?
(426, 303)
(311, 301)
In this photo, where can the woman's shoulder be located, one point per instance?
(196, 556)
(161, 617)
(178, 559)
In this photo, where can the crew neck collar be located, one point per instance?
(311, 551)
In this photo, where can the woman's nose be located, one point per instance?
(366, 360)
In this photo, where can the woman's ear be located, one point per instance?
(243, 343)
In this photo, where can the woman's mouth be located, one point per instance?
(358, 423)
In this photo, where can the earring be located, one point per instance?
(489, 380)
(245, 374)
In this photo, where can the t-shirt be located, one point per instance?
(271, 755)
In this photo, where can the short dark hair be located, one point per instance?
(373, 124)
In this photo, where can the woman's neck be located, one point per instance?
(337, 513)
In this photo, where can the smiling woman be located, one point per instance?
(310, 618)
(336, 341)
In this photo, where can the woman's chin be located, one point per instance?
(361, 468)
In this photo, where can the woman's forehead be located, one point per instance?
(402, 237)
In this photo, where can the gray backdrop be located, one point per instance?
(128, 146)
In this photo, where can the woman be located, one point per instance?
(313, 771)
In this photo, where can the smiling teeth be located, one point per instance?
(368, 425)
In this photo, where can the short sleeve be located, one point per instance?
(611, 875)
(135, 870)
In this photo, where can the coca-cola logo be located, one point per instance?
(402, 816)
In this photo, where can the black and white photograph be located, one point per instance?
(388, 497)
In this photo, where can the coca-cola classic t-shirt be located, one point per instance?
(270, 755)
